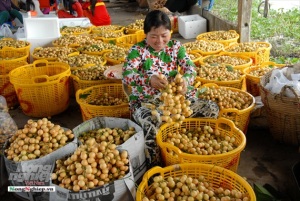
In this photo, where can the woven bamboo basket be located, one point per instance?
(282, 112)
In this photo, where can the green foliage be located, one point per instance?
(280, 28)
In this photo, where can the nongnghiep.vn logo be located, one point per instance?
(31, 174)
(31, 189)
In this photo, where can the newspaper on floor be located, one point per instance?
(35, 173)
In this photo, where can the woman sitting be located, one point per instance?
(75, 10)
(147, 62)
(97, 13)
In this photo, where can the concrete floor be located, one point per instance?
(262, 161)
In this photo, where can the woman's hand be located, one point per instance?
(158, 83)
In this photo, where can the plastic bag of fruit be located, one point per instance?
(8, 128)
(114, 72)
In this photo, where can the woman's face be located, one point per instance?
(157, 38)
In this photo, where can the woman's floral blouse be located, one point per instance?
(142, 62)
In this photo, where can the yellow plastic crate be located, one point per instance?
(195, 57)
(238, 84)
(9, 63)
(248, 60)
(13, 51)
(215, 175)
(131, 39)
(261, 55)
(112, 28)
(192, 47)
(8, 91)
(86, 65)
(88, 111)
(127, 40)
(74, 45)
(113, 61)
(51, 59)
(42, 87)
(107, 40)
(227, 37)
(132, 31)
(252, 81)
(83, 84)
(100, 53)
(87, 30)
(173, 155)
(240, 118)
(141, 35)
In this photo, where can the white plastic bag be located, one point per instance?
(20, 33)
(278, 80)
(8, 126)
(114, 72)
(5, 31)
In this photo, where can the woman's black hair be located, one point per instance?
(29, 5)
(68, 4)
(71, 2)
(93, 4)
(156, 18)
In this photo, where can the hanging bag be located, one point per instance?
(5, 31)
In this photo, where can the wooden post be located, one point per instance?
(266, 8)
(244, 19)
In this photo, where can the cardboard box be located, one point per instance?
(190, 26)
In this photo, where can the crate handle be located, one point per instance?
(88, 65)
(173, 148)
(40, 78)
(229, 110)
(223, 120)
(151, 172)
(77, 93)
(75, 78)
(40, 61)
(73, 54)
